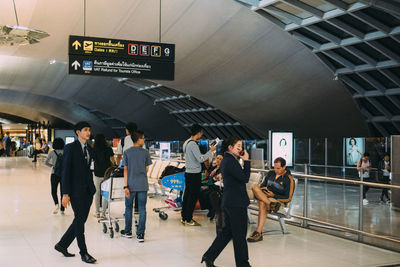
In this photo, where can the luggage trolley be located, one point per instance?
(112, 189)
(174, 182)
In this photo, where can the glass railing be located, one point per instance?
(336, 206)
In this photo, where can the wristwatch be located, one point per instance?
(125, 187)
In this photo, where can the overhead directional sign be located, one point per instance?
(121, 67)
(82, 45)
(121, 58)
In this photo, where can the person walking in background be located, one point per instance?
(54, 160)
(2, 147)
(384, 176)
(364, 167)
(78, 189)
(234, 204)
(103, 159)
(7, 142)
(126, 142)
(38, 149)
(193, 174)
(123, 145)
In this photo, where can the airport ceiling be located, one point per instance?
(236, 72)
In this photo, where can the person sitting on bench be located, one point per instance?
(276, 189)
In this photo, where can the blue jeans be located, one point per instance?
(142, 200)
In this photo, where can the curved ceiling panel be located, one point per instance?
(34, 77)
(359, 41)
(43, 108)
(227, 56)
(254, 71)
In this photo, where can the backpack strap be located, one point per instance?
(123, 143)
(184, 150)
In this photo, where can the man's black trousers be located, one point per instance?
(191, 195)
(81, 207)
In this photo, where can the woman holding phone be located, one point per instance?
(234, 204)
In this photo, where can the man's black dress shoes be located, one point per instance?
(87, 258)
(64, 251)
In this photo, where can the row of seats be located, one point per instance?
(155, 171)
(158, 166)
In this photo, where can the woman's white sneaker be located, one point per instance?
(57, 209)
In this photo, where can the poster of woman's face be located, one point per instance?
(282, 146)
(355, 148)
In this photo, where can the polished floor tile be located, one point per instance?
(29, 230)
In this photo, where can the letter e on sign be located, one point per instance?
(133, 49)
(144, 50)
(155, 51)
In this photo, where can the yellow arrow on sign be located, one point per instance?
(76, 44)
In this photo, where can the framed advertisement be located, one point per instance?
(355, 148)
(165, 150)
(282, 146)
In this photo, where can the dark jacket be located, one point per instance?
(235, 179)
(76, 176)
(282, 187)
(101, 157)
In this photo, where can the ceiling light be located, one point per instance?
(52, 61)
(17, 35)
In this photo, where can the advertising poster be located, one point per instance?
(165, 150)
(116, 141)
(282, 146)
(355, 148)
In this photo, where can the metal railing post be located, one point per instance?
(360, 207)
(305, 198)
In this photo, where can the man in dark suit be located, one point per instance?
(78, 189)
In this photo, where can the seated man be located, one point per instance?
(276, 188)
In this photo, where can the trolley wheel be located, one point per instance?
(111, 233)
(156, 210)
(163, 216)
(104, 228)
(116, 227)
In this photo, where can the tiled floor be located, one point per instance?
(29, 230)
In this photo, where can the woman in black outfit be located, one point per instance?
(234, 204)
(103, 159)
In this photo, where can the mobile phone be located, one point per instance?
(215, 142)
(265, 191)
(241, 153)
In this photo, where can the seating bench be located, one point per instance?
(283, 214)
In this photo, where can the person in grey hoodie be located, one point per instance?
(193, 158)
(55, 178)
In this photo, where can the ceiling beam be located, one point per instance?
(303, 6)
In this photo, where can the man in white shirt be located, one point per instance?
(127, 142)
(123, 145)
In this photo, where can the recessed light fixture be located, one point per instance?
(52, 61)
